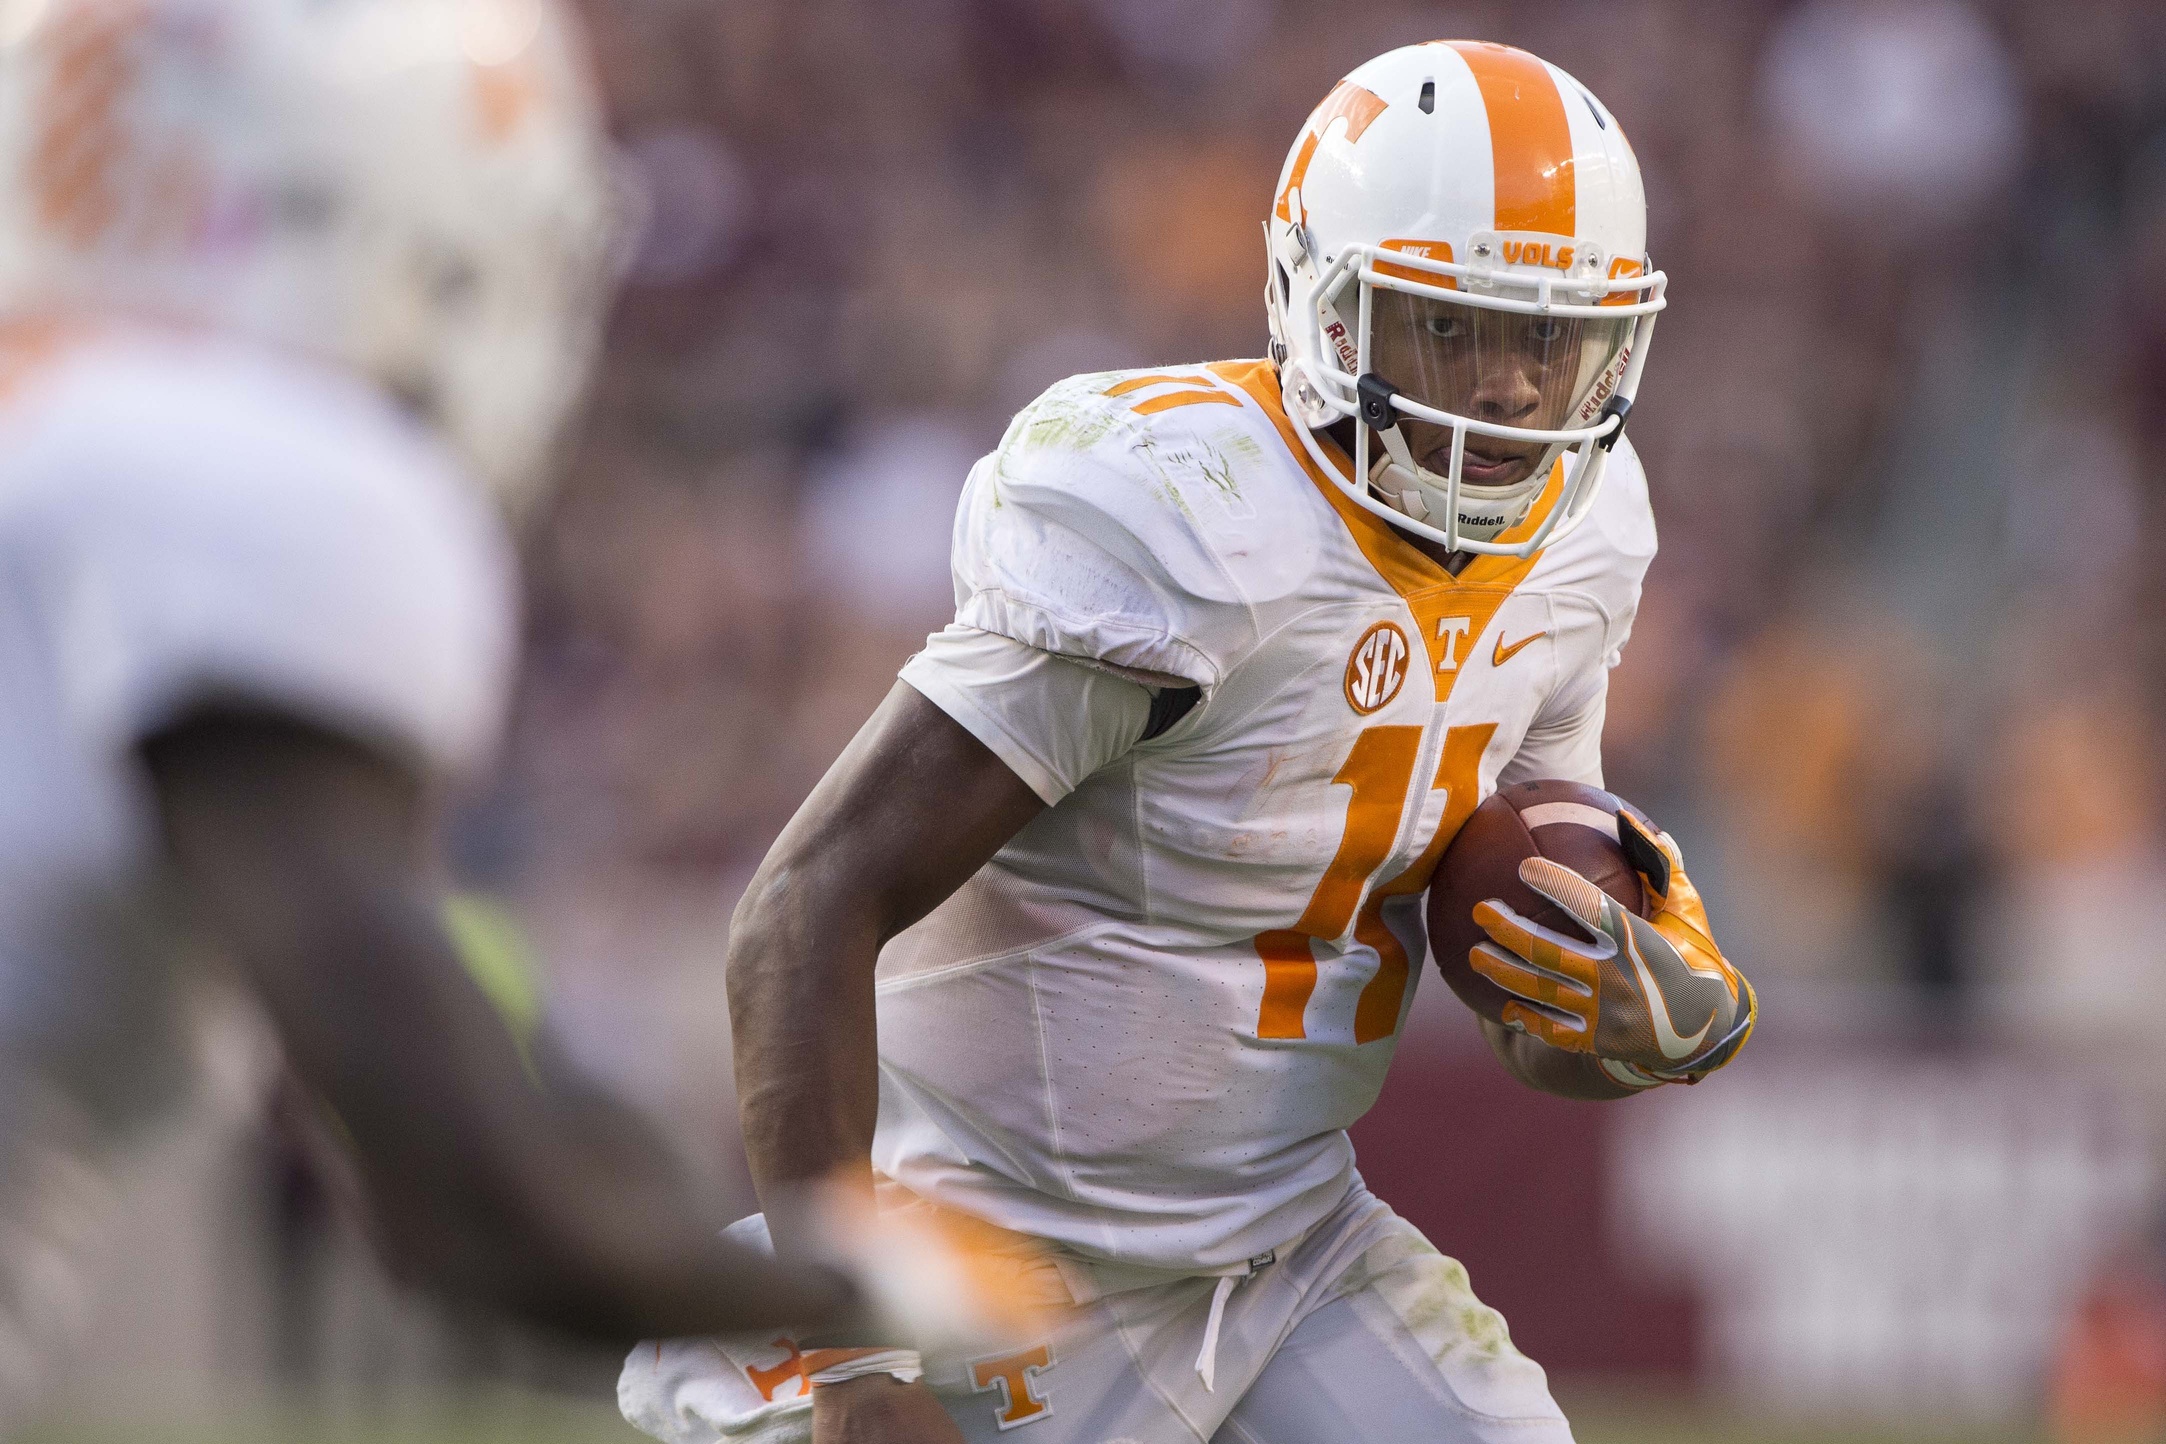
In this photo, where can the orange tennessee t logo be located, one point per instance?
(1015, 1376)
(1347, 102)
(769, 1380)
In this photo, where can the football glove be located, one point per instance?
(1652, 999)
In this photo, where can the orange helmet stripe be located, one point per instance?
(1530, 139)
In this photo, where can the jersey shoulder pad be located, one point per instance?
(1608, 553)
(218, 523)
(1137, 519)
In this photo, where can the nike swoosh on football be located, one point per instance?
(1673, 1047)
(1501, 654)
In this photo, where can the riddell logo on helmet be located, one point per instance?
(1605, 386)
(1335, 333)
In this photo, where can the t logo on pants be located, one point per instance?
(1015, 1376)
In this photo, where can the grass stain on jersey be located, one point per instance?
(1163, 465)
(1075, 415)
(1245, 452)
(1072, 416)
(1191, 459)
(1072, 428)
(1218, 471)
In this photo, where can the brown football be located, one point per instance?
(1566, 822)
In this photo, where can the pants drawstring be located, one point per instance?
(1207, 1356)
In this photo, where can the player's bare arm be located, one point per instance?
(304, 854)
(910, 810)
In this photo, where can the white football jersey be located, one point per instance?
(1143, 1028)
(186, 519)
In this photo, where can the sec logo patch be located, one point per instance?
(1376, 670)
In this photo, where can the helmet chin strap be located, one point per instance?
(1421, 493)
(1391, 481)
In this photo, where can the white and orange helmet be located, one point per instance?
(1473, 197)
(415, 188)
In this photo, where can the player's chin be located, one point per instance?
(1481, 468)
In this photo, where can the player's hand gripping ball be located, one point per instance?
(1564, 913)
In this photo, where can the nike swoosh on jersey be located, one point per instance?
(1673, 1047)
(1500, 654)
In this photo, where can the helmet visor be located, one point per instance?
(1509, 368)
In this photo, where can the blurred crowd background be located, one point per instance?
(1896, 683)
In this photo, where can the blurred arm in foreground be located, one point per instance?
(304, 854)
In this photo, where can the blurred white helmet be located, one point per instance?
(1458, 265)
(415, 188)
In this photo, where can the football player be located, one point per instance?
(1102, 929)
(284, 284)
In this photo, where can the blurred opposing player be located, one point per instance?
(282, 282)
(1139, 841)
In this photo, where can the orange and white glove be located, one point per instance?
(1652, 999)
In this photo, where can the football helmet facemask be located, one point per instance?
(1458, 266)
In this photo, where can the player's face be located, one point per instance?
(1500, 366)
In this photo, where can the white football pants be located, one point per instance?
(1358, 1330)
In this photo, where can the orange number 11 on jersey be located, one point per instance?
(1379, 771)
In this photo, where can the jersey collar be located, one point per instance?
(1407, 567)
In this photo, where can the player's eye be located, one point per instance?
(1545, 330)
(1446, 327)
